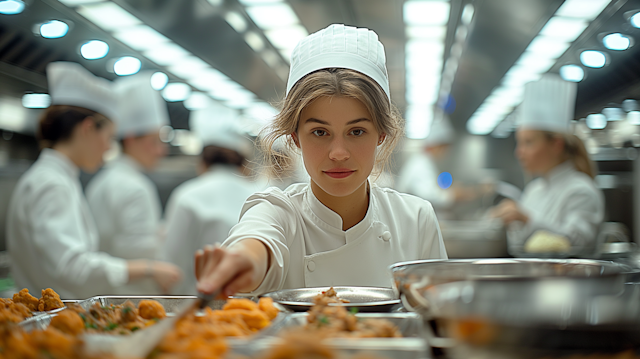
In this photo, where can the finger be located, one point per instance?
(212, 256)
(230, 266)
(239, 283)
(199, 263)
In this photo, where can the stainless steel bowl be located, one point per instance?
(474, 239)
(364, 299)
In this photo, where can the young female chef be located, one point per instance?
(52, 239)
(563, 206)
(338, 229)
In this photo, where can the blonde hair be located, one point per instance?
(330, 82)
(575, 151)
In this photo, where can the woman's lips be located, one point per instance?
(339, 173)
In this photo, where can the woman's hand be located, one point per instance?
(166, 275)
(239, 268)
(509, 212)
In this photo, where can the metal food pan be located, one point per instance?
(364, 299)
(411, 346)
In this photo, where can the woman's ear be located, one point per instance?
(294, 136)
(381, 138)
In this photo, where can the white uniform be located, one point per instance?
(127, 210)
(419, 177)
(51, 236)
(309, 248)
(567, 203)
(202, 211)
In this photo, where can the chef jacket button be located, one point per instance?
(386, 236)
(311, 266)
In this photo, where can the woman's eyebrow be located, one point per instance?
(327, 123)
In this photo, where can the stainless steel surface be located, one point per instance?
(474, 239)
(432, 272)
(411, 345)
(367, 299)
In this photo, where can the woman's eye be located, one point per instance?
(358, 132)
(319, 133)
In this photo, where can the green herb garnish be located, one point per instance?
(90, 326)
(126, 310)
(134, 329)
(112, 326)
(353, 310)
(324, 319)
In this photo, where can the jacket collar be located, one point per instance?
(60, 160)
(560, 171)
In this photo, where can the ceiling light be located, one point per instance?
(197, 101)
(166, 54)
(596, 121)
(426, 32)
(159, 80)
(258, 2)
(127, 65)
(585, 9)
(272, 16)
(630, 105)
(188, 67)
(270, 57)
(260, 111)
(108, 16)
(592, 58)
(11, 7)
(287, 37)
(254, 41)
(418, 121)
(54, 29)
(635, 20)
(572, 73)
(467, 14)
(634, 117)
(36, 100)
(563, 28)
(236, 21)
(613, 113)
(176, 91)
(535, 64)
(208, 80)
(426, 12)
(549, 46)
(616, 41)
(422, 49)
(73, 3)
(94, 49)
(140, 37)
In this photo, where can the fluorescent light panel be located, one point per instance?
(272, 16)
(108, 16)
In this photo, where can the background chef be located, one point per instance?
(561, 210)
(123, 200)
(51, 235)
(201, 211)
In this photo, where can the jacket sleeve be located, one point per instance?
(61, 240)
(181, 241)
(582, 214)
(431, 239)
(268, 221)
(138, 218)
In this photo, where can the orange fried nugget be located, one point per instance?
(20, 309)
(50, 300)
(266, 305)
(54, 342)
(68, 322)
(151, 309)
(255, 319)
(245, 304)
(8, 316)
(27, 299)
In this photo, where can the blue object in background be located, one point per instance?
(445, 180)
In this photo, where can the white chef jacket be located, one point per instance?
(51, 236)
(565, 202)
(309, 248)
(419, 177)
(127, 210)
(201, 211)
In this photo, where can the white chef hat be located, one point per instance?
(441, 133)
(142, 109)
(548, 104)
(343, 47)
(73, 85)
(218, 126)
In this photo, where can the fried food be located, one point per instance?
(50, 300)
(27, 299)
(68, 321)
(300, 345)
(266, 305)
(151, 309)
(120, 319)
(13, 312)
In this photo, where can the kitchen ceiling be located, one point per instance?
(501, 30)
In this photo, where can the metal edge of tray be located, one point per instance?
(301, 299)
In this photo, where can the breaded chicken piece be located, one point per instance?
(69, 322)
(266, 305)
(27, 299)
(50, 300)
(151, 309)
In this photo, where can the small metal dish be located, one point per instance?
(364, 299)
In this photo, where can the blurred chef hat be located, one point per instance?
(218, 126)
(441, 133)
(142, 109)
(340, 46)
(548, 104)
(73, 85)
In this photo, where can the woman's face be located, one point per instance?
(338, 141)
(536, 152)
(97, 141)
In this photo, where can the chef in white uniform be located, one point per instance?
(124, 201)
(201, 211)
(51, 237)
(563, 203)
(338, 229)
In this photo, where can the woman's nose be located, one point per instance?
(338, 150)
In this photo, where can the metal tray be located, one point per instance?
(411, 346)
(65, 302)
(365, 299)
